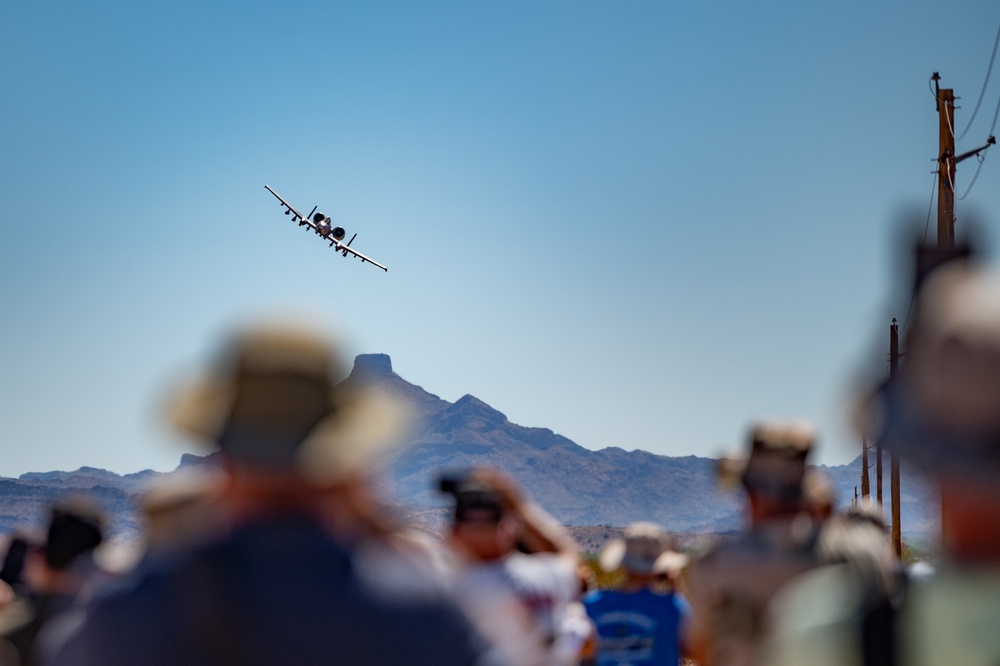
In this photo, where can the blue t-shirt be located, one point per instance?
(639, 628)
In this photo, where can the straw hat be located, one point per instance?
(646, 549)
(271, 403)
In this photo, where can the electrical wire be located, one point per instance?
(989, 70)
(996, 113)
(906, 321)
(982, 158)
(930, 206)
(927, 225)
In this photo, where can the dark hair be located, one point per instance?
(472, 496)
(76, 527)
(482, 501)
(13, 561)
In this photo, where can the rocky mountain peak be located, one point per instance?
(372, 366)
(471, 404)
(471, 412)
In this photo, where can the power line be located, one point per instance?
(930, 206)
(981, 157)
(989, 70)
(927, 225)
(995, 114)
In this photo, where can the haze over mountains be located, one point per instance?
(578, 486)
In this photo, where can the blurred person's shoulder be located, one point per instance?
(244, 590)
(557, 566)
(555, 572)
(816, 619)
(951, 617)
(790, 539)
(406, 563)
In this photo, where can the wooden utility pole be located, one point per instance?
(947, 160)
(897, 538)
(878, 471)
(946, 164)
(866, 488)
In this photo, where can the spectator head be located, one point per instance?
(645, 552)
(76, 527)
(273, 403)
(818, 494)
(773, 471)
(480, 524)
(941, 409)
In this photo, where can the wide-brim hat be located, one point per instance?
(272, 402)
(776, 461)
(941, 409)
(646, 549)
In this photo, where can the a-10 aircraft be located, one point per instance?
(324, 228)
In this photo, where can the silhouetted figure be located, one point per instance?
(286, 583)
(732, 584)
(515, 571)
(56, 575)
(12, 571)
(941, 413)
(844, 611)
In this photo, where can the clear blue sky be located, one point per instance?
(639, 224)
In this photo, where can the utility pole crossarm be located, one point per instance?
(989, 142)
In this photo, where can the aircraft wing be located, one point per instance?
(296, 215)
(344, 249)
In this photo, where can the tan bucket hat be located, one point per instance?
(271, 403)
(646, 549)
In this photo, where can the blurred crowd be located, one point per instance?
(285, 552)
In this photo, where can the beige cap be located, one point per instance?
(776, 462)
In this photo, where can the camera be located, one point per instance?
(451, 484)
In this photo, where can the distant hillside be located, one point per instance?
(610, 487)
(579, 486)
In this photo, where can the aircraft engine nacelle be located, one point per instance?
(338, 233)
(322, 223)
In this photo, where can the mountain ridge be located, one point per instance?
(579, 486)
